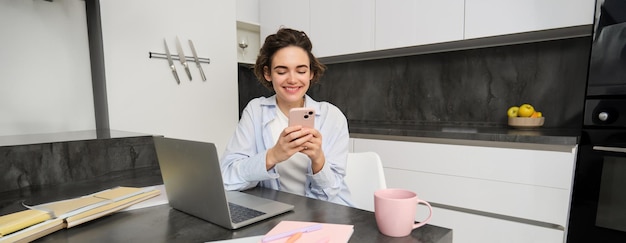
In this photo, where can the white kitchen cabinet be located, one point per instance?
(359, 30)
(522, 192)
(334, 27)
(402, 23)
(472, 228)
(274, 14)
(500, 17)
(342, 27)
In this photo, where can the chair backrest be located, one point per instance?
(364, 175)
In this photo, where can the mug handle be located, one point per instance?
(430, 214)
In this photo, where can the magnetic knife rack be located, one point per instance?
(175, 57)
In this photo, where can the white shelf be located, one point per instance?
(254, 27)
(250, 31)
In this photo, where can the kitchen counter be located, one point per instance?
(463, 131)
(70, 136)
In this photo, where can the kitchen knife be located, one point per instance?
(195, 57)
(171, 62)
(183, 59)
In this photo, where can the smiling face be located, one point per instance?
(291, 76)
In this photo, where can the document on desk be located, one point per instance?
(36, 214)
(46, 218)
(155, 201)
(116, 198)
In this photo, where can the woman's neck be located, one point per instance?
(285, 107)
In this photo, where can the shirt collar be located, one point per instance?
(269, 107)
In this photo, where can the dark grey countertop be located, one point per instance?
(465, 131)
(462, 131)
(24, 139)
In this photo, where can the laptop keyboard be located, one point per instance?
(240, 213)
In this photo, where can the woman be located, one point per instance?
(265, 151)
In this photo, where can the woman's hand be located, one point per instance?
(313, 148)
(292, 140)
(297, 139)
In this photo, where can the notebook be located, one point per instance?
(326, 233)
(193, 184)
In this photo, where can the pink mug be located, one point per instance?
(395, 210)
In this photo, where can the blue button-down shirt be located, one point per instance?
(243, 162)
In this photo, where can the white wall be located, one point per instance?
(45, 85)
(45, 82)
(248, 11)
(142, 93)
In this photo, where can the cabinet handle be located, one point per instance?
(610, 149)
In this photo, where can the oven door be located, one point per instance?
(598, 209)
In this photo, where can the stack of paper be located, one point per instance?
(40, 220)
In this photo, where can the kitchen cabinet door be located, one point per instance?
(472, 228)
(403, 23)
(518, 189)
(342, 27)
(274, 14)
(500, 17)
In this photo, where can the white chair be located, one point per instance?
(364, 175)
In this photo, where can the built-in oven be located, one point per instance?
(598, 205)
(598, 208)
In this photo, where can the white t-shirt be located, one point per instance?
(292, 171)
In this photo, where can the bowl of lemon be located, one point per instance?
(525, 116)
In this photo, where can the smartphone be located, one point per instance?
(302, 116)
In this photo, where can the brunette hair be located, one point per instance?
(286, 37)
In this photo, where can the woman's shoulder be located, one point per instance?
(261, 101)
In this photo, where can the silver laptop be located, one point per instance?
(193, 183)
